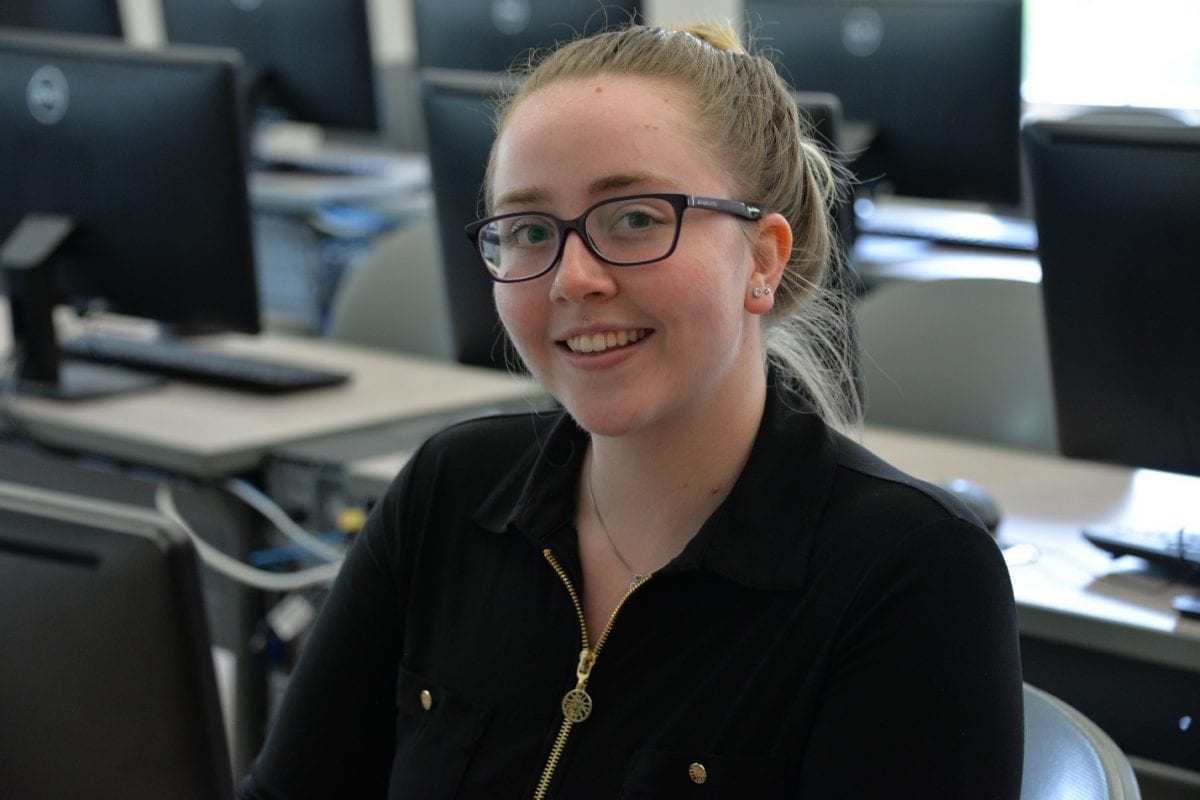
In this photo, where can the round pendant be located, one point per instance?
(576, 705)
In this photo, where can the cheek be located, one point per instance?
(520, 312)
(506, 308)
(715, 275)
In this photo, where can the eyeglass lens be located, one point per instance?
(624, 231)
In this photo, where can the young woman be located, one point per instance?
(688, 583)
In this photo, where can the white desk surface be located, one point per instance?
(302, 193)
(1068, 590)
(206, 431)
(882, 258)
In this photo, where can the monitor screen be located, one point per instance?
(459, 127)
(97, 17)
(489, 35)
(1116, 211)
(140, 153)
(107, 687)
(305, 60)
(930, 89)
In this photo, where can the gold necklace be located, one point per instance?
(637, 576)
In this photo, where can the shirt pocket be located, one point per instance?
(661, 775)
(437, 733)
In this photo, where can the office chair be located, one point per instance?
(1068, 757)
(963, 357)
(395, 299)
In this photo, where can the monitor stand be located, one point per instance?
(27, 257)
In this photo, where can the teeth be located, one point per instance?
(599, 342)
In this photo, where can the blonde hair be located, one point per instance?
(748, 112)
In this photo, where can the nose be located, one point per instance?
(579, 274)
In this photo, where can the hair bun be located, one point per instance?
(720, 36)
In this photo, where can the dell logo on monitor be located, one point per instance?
(247, 5)
(511, 16)
(862, 31)
(47, 95)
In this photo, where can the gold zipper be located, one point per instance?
(577, 703)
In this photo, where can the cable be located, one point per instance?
(236, 570)
(279, 518)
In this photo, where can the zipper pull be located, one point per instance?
(577, 703)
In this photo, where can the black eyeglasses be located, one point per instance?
(623, 232)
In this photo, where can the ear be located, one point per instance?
(772, 246)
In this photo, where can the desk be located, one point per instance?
(1066, 582)
(882, 258)
(1098, 632)
(209, 432)
(398, 183)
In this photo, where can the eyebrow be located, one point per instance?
(621, 181)
(599, 186)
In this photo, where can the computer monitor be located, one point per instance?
(490, 35)
(930, 89)
(458, 110)
(124, 189)
(1116, 210)
(96, 17)
(305, 60)
(107, 685)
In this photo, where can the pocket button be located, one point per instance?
(426, 699)
(697, 772)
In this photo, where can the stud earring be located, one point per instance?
(760, 291)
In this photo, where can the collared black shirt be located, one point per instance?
(835, 629)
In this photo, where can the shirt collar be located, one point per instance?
(760, 536)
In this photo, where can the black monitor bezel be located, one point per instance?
(308, 61)
(458, 109)
(117, 686)
(497, 42)
(148, 163)
(93, 17)
(1116, 209)
(923, 109)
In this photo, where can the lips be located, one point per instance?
(605, 340)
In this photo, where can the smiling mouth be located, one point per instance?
(608, 340)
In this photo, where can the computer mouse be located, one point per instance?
(976, 498)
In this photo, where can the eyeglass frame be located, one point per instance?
(680, 202)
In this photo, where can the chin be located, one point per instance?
(601, 418)
(607, 428)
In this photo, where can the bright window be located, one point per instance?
(1113, 53)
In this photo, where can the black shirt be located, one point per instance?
(835, 629)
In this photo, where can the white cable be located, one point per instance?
(232, 568)
(279, 518)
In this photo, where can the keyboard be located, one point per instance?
(178, 360)
(1179, 548)
(952, 227)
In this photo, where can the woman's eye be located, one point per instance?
(524, 234)
(637, 219)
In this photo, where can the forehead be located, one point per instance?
(584, 129)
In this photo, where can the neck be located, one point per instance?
(655, 491)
